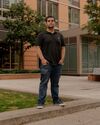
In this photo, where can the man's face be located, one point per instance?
(50, 23)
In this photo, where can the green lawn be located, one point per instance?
(11, 100)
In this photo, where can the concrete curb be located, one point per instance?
(23, 116)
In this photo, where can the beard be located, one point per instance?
(50, 27)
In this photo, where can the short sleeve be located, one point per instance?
(39, 39)
(62, 40)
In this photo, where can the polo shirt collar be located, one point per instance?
(50, 32)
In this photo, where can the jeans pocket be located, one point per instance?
(44, 69)
(59, 64)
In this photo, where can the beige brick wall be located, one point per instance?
(83, 16)
(63, 15)
(31, 3)
(30, 59)
(30, 56)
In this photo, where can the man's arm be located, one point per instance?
(40, 55)
(62, 55)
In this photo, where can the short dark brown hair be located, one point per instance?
(49, 17)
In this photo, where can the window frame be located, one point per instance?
(39, 9)
(73, 20)
(3, 10)
(74, 3)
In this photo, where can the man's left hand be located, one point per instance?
(61, 62)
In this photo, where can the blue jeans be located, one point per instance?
(53, 73)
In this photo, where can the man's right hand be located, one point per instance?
(44, 61)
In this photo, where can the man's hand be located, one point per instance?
(44, 61)
(40, 55)
(61, 62)
(62, 56)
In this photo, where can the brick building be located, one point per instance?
(81, 54)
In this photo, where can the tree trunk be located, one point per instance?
(21, 57)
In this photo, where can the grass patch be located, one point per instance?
(11, 100)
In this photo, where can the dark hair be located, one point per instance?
(49, 17)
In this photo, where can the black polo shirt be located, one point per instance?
(51, 44)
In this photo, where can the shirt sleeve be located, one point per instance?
(62, 41)
(39, 39)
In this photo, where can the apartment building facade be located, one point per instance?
(81, 54)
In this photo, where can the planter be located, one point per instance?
(92, 77)
(19, 76)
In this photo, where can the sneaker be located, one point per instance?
(40, 107)
(60, 103)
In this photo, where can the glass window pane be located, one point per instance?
(0, 13)
(55, 11)
(6, 4)
(74, 15)
(12, 1)
(75, 2)
(49, 8)
(70, 14)
(39, 6)
(4, 13)
(43, 8)
(0, 3)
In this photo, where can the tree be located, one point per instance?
(93, 10)
(23, 25)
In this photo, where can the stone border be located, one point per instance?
(19, 76)
(23, 116)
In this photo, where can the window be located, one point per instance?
(74, 16)
(9, 58)
(45, 8)
(50, 8)
(93, 1)
(0, 3)
(4, 6)
(0, 12)
(53, 9)
(90, 55)
(75, 2)
(41, 7)
(12, 1)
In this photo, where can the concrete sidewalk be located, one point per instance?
(88, 117)
(69, 86)
(28, 115)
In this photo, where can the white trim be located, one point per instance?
(65, 4)
(4, 31)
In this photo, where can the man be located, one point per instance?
(51, 51)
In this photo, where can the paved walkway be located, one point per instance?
(88, 117)
(69, 86)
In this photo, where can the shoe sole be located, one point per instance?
(39, 107)
(62, 105)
